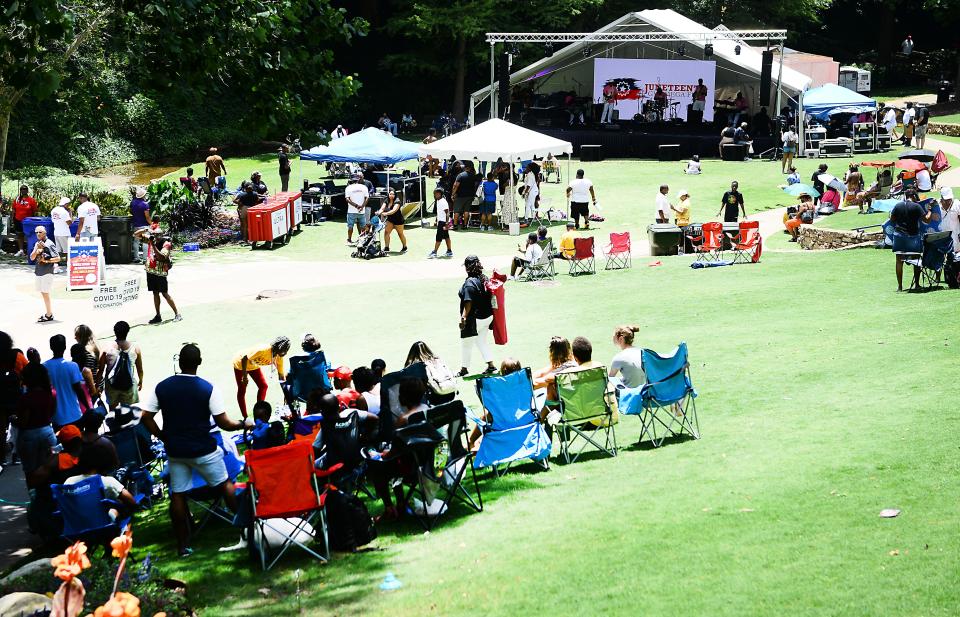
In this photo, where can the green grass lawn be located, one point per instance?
(948, 119)
(815, 413)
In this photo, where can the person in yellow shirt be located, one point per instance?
(247, 365)
(682, 209)
(567, 249)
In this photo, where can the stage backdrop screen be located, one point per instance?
(633, 82)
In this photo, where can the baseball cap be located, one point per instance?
(471, 259)
(64, 201)
(68, 433)
(946, 193)
(342, 372)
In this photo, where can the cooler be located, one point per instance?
(664, 238)
(294, 207)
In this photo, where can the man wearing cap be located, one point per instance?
(45, 258)
(567, 247)
(62, 219)
(357, 196)
(191, 406)
(682, 209)
(214, 166)
(259, 186)
(951, 215)
(140, 219)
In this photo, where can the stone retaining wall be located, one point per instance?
(819, 238)
(937, 128)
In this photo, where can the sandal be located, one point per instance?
(45, 318)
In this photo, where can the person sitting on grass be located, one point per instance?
(628, 363)
(793, 177)
(96, 462)
(805, 208)
(531, 254)
(831, 197)
(693, 167)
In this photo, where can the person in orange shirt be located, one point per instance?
(248, 365)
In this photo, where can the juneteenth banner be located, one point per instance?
(632, 81)
(112, 296)
(85, 264)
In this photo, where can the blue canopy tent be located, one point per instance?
(371, 145)
(820, 102)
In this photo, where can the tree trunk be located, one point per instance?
(459, 77)
(885, 33)
(8, 100)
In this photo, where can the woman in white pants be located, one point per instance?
(531, 189)
(476, 315)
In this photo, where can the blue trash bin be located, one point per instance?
(30, 225)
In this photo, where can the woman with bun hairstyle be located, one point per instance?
(628, 362)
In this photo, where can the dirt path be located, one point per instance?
(951, 177)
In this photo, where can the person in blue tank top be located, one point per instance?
(191, 407)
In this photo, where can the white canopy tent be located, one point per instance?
(495, 139)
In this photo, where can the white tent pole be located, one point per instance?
(780, 79)
(568, 181)
(493, 98)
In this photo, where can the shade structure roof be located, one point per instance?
(371, 145)
(495, 139)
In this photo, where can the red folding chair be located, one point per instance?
(582, 261)
(283, 485)
(618, 252)
(709, 244)
(747, 244)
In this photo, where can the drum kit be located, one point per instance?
(652, 110)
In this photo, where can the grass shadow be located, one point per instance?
(644, 446)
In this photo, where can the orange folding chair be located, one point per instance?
(287, 500)
(709, 244)
(617, 252)
(747, 244)
(582, 261)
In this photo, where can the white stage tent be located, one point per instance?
(571, 67)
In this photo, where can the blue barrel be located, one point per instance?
(30, 225)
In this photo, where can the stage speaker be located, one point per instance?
(694, 116)
(733, 152)
(591, 153)
(766, 68)
(503, 79)
(669, 152)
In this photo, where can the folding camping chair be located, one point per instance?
(306, 373)
(585, 412)
(709, 244)
(747, 243)
(514, 431)
(542, 268)
(582, 261)
(618, 252)
(551, 167)
(86, 511)
(667, 399)
(283, 485)
(447, 460)
(141, 460)
(936, 245)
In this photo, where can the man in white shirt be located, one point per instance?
(443, 215)
(908, 117)
(531, 254)
(62, 219)
(89, 215)
(581, 193)
(357, 196)
(951, 215)
(661, 213)
(890, 121)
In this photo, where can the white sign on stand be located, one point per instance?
(86, 268)
(118, 294)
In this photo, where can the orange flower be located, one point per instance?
(73, 561)
(122, 604)
(122, 543)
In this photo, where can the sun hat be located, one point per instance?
(64, 201)
(683, 192)
(141, 192)
(946, 193)
(571, 224)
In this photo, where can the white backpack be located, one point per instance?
(440, 377)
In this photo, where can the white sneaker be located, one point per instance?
(432, 255)
(56, 269)
(19, 254)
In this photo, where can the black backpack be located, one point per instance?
(9, 384)
(350, 525)
(951, 271)
(121, 378)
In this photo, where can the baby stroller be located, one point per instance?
(370, 243)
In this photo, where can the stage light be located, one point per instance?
(548, 48)
(708, 50)
(736, 50)
(682, 50)
(587, 51)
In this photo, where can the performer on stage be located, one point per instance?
(660, 102)
(699, 97)
(609, 103)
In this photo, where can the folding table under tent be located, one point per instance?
(494, 139)
(371, 146)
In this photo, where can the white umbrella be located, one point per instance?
(832, 182)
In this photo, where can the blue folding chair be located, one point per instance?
(930, 262)
(306, 374)
(86, 511)
(140, 459)
(667, 399)
(514, 431)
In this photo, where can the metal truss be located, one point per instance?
(777, 36)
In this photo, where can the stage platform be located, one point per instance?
(642, 140)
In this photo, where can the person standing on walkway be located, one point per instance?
(731, 204)
(391, 210)
(88, 214)
(190, 405)
(24, 206)
(214, 167)
(140, 219)
(67, 381)
(580, 193)
(62, 220)
(158, 265)
(442, 208)
(790, 139)
(284, 160)
(357, 196)
(122, 384)
(908, 117)
(248, 366)
(476, 316)
(45, 257)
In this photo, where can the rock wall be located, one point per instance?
(936, 128)
(819, 238)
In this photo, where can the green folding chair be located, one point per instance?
(586, 416)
